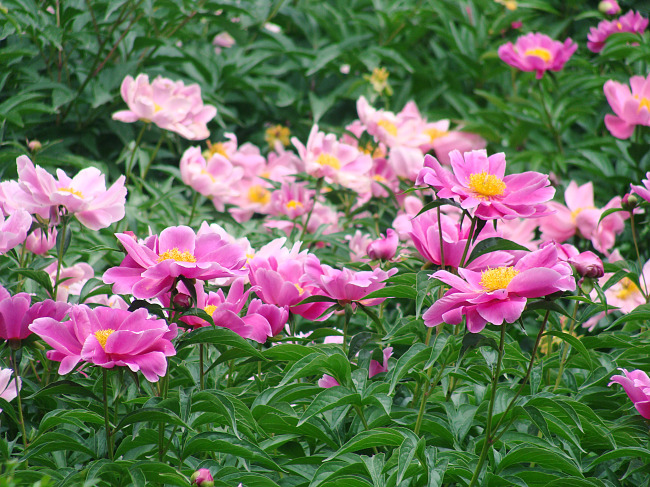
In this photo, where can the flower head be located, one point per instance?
(8, 387)
(637, 388)
(384, 248)
(13, 230)
(202, 478)
(631, 108)
(537, 52)
(630, 22)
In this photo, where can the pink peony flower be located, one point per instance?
(358, 244)
(150, 268)
(41, 241)
(85, 195)
(292, 200)
(72, 279)
(609, 7)
(8, 387)
(588, 264)
(630, 22)
(643, 191)
(479, 182)
(537, 52)
(108, 337)
(202, 478)
(376, 367)
(327, 381)
(403, 221)
(637, 388)
(443, 144)
(17, 313)
(13, 230)
(170, 105)
(222, 40)
(631, 108)
(384, 248)
(345, 285)
(499, 294)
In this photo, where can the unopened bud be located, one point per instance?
(35, 146)
(202, 478)
(609, 7)
(588, 264)
(182, 301)
(629, 202)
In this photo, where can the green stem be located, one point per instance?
(644, 288)
(107, 426)
(202, 382)
(565, 352)
(195, 199)
(493, 395)
(129, 167)
(20, 404)
(526, 377)
(60, 252)
(346, 322)
(153, 155)
(442, 248)
(319, 185)
(469, 242)
(551, 127)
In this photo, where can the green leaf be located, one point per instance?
(40, 277)
(230, 445)
(575, 343)
(220, 337)
(329, 399)
(371, 438)
(621, 452)
(64, 387)
(541, 456)
(493, 244)
(399, 291)
(153, 415)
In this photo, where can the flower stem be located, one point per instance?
(202, 381)
(551, 127)
(319, 185)
(60, 253)
(20, 404)
(469, 241)
(493, 394)
(153, 155)
(129, 167)
(565, 352)
(107, 426)
(644, 288)
(346, 322)
(195, 199)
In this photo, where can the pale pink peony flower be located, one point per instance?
(72, 279)
(8, 387)
(376, 367)
(246, 156)
(150, 268)
(630, 108)
(85, 195)
(643, 191)
(630, 22)
(280, 279)
(609, 7)
(17, 313)
(384, 247)
(521, 231)
(403, 221)
(478, 182)
(41, 241)
(170, 105)
(358, 244)
(345, 285)
(223, 40)
(537, 52)
(637, 388)
(443, 144)
(292, 200)
(13, 230)
(499, 294)
(108, 337)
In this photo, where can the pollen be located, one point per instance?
(72, 191)
(293, 204)
(498, 278)
(102, 336)
(643, 102)
(156, 107)
(540, 52)
(329, 160)
(206, 173)
(259, 194)
(628, 288)
(177, 255)
(486, 185)
(277, 132)
(217, 148)
(210, 309)
(577, 211)
(434, 133)
(299, 288)
(379, 178)
(388, 127)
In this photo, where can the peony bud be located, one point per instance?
(182, 301)
(35, 145)
(202, 478)
(629, 202)
(609, 7)
(40, 242)
(385, 247)
(588, 264)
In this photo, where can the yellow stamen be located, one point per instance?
(540, 52)
(217, 148)
(388, 127)
(486, 185)
(249, 256)
(379, 178)
(293, 204)
(259, 194)
(156, 107)
(210, 309)
(643, 102)
(329, 160)
(434, 133)
(206, 173)
(628, 288)
(277, 132)
(299, 288)
(177, 255)
(577, 211)
(619, 25)
(72, 191)
(102, 336)
(498, 278)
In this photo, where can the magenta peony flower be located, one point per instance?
(643, 191)
(150, 268)
(108, 337)
(8, 387)
(202, 478)
(17, 313)
(499, 294)
(631, 108)
(345, 285)
(479, 182)
(327, 381)
(170, 105)
(637, 387)
(384, 248)
(630, 22)
(13, 230)
(85, 195)
(376, 367)
(537, 52)
(588, 264)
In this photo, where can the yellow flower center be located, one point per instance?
(259, 194)
(434, 133)
(388, 127)
(643, 102)
(102, 336)
(206, 173)
(540, 52)
(177, 255)
(72, 191)
(499, 278)
(329, 160)
(299, 288)
(293, 204)
(628, 288)
(210, 309)
(217, 148)
(577, 211)
(619, 25)
(379, 178)
(156, 107)
(277, 132)
(486, 185)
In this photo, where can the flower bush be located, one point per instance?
(346, 244)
